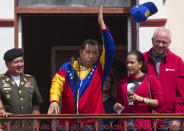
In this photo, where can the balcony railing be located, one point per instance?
(44, 122)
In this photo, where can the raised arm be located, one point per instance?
(107, 55)
(100, 19)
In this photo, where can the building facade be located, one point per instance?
(51, 31)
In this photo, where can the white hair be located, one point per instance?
(163, 29)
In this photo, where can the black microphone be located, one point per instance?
(79, 63)
(73, 87)
(72, 71)
(72, 61)
(77, 88)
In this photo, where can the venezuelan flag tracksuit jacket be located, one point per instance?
(89, 86)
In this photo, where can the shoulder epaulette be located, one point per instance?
(27, 75)
(1, 75)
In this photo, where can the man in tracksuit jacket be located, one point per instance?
(90, 78)
(169, 69)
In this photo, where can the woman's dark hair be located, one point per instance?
(112, 79)
(140, 58)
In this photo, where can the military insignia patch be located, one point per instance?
(25, 80)
(3, 81)
(29, 85)
(13, 82)
(22, 83)
(8, 96)
(27, 75)
(7, 79)
(1, 76)
(6, 89)
(5, 85)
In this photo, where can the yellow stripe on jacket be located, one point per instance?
(102, 58)
(83, 71)
(57, 87)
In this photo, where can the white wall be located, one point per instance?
(146, 33)
(145, 36)
(174, 12)
(6, 33)
(6, 9)
(7, 42)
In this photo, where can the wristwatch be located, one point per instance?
(146, 100)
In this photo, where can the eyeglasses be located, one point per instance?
(161, 42)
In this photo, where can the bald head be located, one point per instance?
(161, 40)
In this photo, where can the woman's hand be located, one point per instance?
(134, 97)
(118, 108)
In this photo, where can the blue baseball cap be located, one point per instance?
(140, 13)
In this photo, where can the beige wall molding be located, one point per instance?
(154, 23)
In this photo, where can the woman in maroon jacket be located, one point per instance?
(139, 92)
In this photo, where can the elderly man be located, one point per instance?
(169, 69)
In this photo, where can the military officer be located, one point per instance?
(19, 93)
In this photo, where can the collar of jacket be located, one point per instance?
(165, 59)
